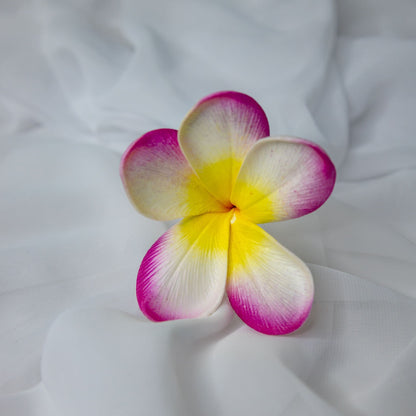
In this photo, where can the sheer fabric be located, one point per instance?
(79, 81)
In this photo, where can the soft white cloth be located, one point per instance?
(80, 80)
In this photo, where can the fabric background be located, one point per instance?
(80, 80)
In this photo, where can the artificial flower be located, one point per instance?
(223, 174)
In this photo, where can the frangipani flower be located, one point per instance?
(223, 174)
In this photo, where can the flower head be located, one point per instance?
(223, 174)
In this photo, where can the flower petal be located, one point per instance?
(183, 275)
(159, 180)
(282, 178)
(217, 134)
(270, 288)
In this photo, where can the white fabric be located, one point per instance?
(79, 81)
